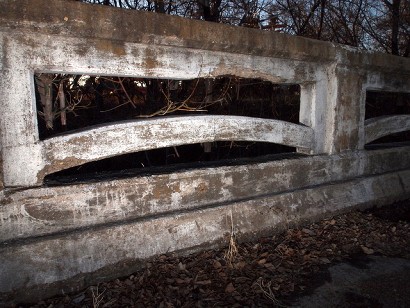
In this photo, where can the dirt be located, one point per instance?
(358, 259)
(368, 281)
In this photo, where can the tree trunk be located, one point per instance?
(395, 11)
(210, 9)
(45, 89)
(159, 6)
(61, 97)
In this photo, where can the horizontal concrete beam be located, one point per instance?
(376, 128)
(49, 210)
(75, 19)
(141, 135)
(390, 79)
(61, 262)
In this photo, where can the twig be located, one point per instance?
(97, 297)
(267, 291)
(126, 93)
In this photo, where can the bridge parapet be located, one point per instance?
(147, 215)
(61, 37)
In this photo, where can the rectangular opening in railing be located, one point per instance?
(146, 123)
(70, 102)
(387, 119)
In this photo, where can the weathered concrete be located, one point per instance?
(44, 211)
(67, 237)
(133, 136)
(333, 78)
(376, 128)
(42, 261)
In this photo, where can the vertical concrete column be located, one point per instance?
(316, 109)
(307, 111)
(349, 110)
(21, 151)
(1, 168)
(332, 106)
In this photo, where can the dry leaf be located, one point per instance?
(367, 251)
(269, 266)
(203, 282)
(180, 281)
(325, 260)
(217, 264)
(229, 288)
(308, 231)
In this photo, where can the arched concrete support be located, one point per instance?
(140, 135)
(376, 128)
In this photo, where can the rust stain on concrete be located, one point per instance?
(116, 48)
(151, 59)
(47, 213)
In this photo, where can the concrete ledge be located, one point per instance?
(75, 19)
(48, 210)
(58, 264)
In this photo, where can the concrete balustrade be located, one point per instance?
(63, 238)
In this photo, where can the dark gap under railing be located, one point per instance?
(157, 162)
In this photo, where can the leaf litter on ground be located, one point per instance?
(265, 272)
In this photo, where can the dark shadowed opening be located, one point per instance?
(382, 103)
(172, 159)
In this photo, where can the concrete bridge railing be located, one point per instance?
(51, 236)
(138, 135)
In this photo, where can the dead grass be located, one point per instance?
(232, 252)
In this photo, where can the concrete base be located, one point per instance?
(68, 259)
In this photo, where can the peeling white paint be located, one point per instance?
(175, 199)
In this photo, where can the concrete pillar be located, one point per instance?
(21, 153)
(348, 104)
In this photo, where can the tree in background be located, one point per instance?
(388, 26)
(368, 24)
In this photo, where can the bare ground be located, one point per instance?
(272, 271)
